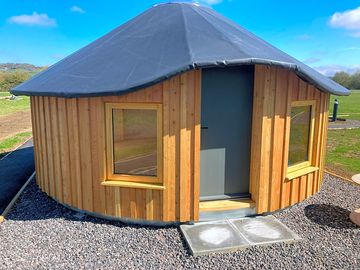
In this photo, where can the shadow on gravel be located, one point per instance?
(34, 204)
(329, 215)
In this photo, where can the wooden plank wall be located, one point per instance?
(274, 90)
(69, 139)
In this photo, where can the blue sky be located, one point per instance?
(324, 34)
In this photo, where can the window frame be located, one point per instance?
(111, 176)
(307, 163)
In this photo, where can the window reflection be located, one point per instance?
(299, 134)
(135, 142)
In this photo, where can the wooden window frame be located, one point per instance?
(111, 176)
(305, 164)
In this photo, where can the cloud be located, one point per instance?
(58, 56)
(34, 19)
(311, 60)
(330, 70)
(77, 9)
(351, 49)
(209, 2)
(349, 19)
(355, 34)
(303, 37)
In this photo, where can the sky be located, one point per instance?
(325, 34)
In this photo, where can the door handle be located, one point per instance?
(204, 127)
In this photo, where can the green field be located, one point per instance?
(10, 143)
(349, 106)
(7, 108)
(343, 152)
(11, 106)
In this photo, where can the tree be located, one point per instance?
(355, 81)
(9, 80)
(343, 78)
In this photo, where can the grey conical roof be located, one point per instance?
(163, 41)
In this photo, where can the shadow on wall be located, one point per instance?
(329, 215)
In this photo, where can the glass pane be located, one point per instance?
(135, 143)
(299, 134)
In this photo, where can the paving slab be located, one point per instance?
(356, 178)
(355, 216)
(234, 234)
(264, 230)
(208, 237)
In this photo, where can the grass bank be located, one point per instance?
(343, 149)
(349, 106)
(8, 106)
(11, 143)
(343, 152)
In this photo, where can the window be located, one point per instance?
(301, 135)
(134, 142)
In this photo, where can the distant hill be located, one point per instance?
(11, 74)
(12, 67)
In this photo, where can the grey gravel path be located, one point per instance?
(348, 124)
(41, 234)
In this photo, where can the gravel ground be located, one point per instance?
(41, 234)
(349, 123)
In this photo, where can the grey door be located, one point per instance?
(226, 111)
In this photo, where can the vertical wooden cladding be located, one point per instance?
(69, 139)
(181, 105)
(274, 90)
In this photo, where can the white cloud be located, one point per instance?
(349, 19)
(355, 34)
(303, 37)
(34, 19)
(77, 9)
(330, 70)
(311, 60)
(58, 56)
(351, 49)
(210, 2)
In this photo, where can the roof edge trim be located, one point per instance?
(249, 61)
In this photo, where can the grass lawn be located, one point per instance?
(349, 106)
(343, 152)
(10, 143)
(11, 106)
(343, 149)
(8, 107)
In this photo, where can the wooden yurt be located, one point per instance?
(179, 115)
